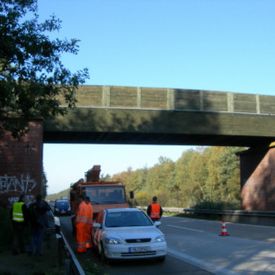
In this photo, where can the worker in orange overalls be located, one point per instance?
(154, 210)
(89, 224)
(83, 222)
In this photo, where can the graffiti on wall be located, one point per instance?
(24, 184)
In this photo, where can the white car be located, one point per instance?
(128, 233)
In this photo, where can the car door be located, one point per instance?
(97, 231)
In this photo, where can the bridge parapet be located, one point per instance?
(173, 99)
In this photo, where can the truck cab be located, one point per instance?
(102, 194)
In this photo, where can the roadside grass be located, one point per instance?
(90, 266)
(24, 264)
(51, 263)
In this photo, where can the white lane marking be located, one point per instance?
(200, 263)
(183, 227)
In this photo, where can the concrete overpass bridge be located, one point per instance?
(137, 115)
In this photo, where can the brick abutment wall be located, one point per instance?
(21, 164)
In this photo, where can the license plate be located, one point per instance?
(139, 249)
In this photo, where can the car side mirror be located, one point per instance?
(157, 223)
(97, 225)
(57, 225)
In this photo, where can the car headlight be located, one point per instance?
(112, 241)
(159, 239)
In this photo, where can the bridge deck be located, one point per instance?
(135, 115)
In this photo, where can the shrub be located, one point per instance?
(142, 198)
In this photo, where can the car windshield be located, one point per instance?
(127, 218)
(106, 194)
(62, 203)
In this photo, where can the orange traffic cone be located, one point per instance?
(224, 230)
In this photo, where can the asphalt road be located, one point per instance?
(195, 247)
(249, 249)
(171, 265)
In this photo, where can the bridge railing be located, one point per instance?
(173, 99)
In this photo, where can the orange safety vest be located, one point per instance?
(84, 221)
(89, 225)
(84, 213)
(155, 211)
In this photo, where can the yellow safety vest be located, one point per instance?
(17, 212)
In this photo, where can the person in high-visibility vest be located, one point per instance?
(18, 217)
(154, 210)
(83, 223)
(89, 225)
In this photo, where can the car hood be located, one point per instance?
(133, 232)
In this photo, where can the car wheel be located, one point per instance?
(161, 259)
(102, 253)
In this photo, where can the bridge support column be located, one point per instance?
(258, 179)
(21, 164)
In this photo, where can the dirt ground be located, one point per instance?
(24, 264)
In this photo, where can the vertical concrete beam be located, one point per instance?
(138, 97)
(106, 96)
(258, 105)
(170, 99)
(230, 102)
(201, 101)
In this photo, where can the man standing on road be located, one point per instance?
(154, 210)
(19, 216)
(83, 223)
(39, 221)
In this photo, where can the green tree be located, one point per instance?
(222, 166)
(198, 175)
(183, 177)
(33, 81)
(205, 177)
(160, 180)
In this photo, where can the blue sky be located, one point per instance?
(222, 45)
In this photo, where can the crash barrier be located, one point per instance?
(165, 209)
(240, 216)
(65, 253)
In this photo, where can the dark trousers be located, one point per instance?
(18, 244)
(37, 240)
